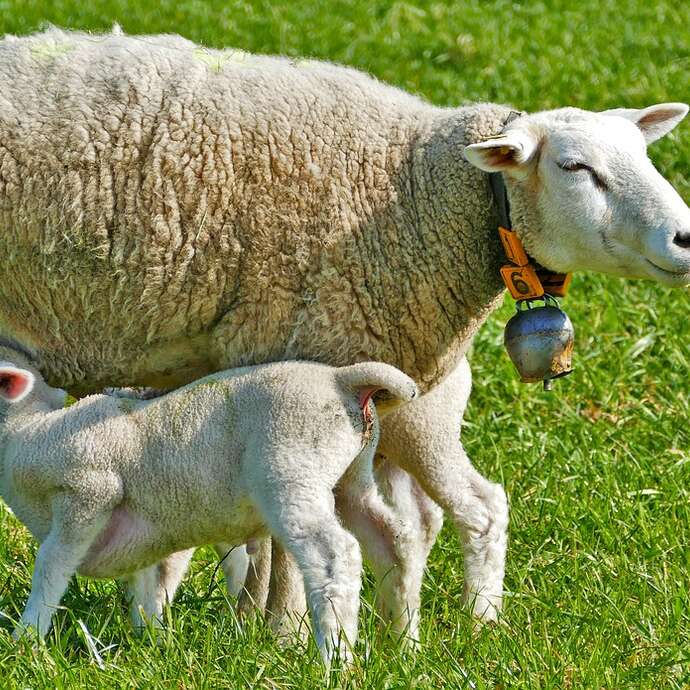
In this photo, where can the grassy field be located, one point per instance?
(598, 473)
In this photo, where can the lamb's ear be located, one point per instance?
(15, 383)
(655, 121)
(509, 152)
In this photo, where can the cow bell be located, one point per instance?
(539, 339)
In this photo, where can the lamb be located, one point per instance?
(169, 211)
(235, 560)
(103, 484)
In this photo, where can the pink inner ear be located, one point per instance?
(655, 117)
(13, 384)
(503, 157)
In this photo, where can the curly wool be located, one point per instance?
(215, 208)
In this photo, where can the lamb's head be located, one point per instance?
(584, 194)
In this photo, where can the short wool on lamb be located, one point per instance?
(110, 486)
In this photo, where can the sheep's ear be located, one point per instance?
(15, 383)
(509, 152)
(655, 121)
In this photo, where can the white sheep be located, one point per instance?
(235, 560)
(168, 211)
(110, 486)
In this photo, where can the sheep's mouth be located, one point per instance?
(673, 278)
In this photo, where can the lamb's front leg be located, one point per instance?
(57, 561)
(234, 561)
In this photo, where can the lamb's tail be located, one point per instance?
(369, 377)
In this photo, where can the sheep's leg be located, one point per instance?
(478, 508)
(423, 438)
(57, 561)
(286, 606)
(153, 587)
(329, 559)
(255, 591)
(234, 562)
(390, 545)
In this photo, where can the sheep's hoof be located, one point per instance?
(27, 638)
(289, 628)
(410, 644)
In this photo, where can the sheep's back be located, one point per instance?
(149, 186)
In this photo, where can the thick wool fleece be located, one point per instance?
(169, 210)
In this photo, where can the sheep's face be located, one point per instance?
(584, 194)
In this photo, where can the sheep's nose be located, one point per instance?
(682, 239)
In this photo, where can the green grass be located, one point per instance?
(597, 472)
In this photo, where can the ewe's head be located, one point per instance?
(585, 195)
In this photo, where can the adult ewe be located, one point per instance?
(168, 211)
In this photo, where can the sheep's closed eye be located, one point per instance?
(572, 166)
(575, 166)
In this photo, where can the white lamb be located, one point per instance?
(111, 486)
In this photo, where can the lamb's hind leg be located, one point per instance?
(286, 606)
(396, 541)
(330, 562)
(329, 559)
(390, 545)
(403, 493)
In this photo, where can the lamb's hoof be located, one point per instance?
(410, 644)
(485, 609)
(340, 657)
(407, 636)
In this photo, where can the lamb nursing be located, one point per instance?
(168, 211)
(110, 486)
